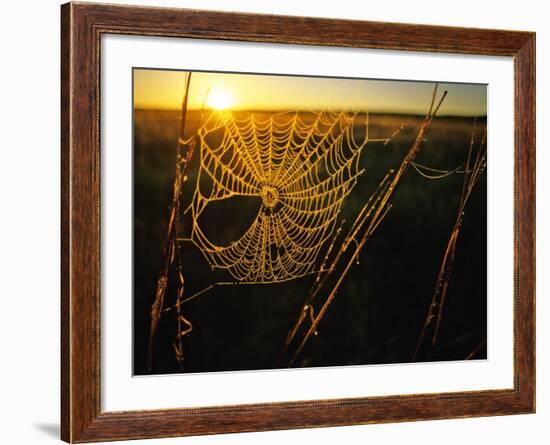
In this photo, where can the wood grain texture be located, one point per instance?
(81, 29)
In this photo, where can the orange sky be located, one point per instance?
(163, 89)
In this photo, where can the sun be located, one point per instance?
(219, 99)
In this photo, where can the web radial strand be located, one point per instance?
(302, 165)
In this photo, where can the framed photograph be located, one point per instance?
(275, 222)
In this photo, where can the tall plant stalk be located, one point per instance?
(185, 151)
(364, 226)
(432, 323)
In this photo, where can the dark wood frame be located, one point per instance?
(81, 28)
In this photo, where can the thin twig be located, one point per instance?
(472, 354)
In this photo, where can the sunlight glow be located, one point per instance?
(163, 90)
(219, 99)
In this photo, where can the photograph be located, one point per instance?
(285, 221)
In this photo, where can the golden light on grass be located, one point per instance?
(219, 99)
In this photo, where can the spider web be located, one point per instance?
(302, 165)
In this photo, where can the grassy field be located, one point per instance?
(378, 315)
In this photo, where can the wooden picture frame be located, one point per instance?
(82, 25)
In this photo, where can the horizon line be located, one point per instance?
(283, 110)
